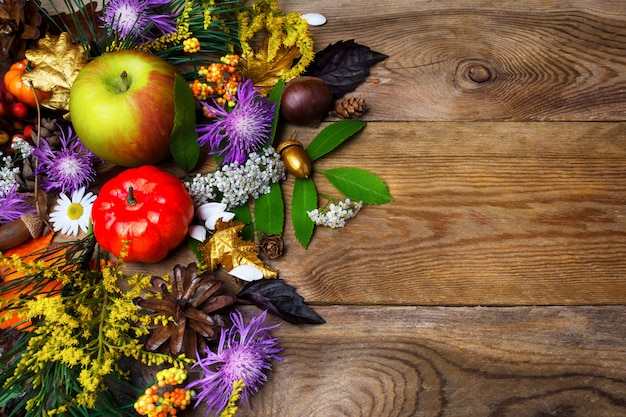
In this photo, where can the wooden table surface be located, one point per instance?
(495, 283)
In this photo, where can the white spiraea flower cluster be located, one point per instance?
(22, 146)
(335, 215)
(8, 174)
(234, 184)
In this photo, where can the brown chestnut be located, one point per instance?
(306, 101)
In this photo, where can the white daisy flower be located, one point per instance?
(71, 214)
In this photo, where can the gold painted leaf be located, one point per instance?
(57, 61)
(265, 72)
(226, 247)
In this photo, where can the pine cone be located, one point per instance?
(21, 24)
(50, 131)
(26, 176)
(350, 108)
(191, 301)
(271, 246)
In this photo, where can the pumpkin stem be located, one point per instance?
(131, 200)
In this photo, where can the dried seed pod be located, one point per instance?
(29, 226)
(296, 160)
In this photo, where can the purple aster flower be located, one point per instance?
(137, 18)
(14, 205)
(67, 169)
(243, 353)
(245, 129)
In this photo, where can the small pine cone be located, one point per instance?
(26, 177)
(271, 246)
(350, 108)
(51, 132)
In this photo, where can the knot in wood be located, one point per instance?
(472, 74)
(479, 73)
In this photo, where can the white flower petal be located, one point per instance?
(247, 273)
(204, 211)
(211, 220)
(197, 232)
(77, 195)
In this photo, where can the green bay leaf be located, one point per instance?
(304, 198)
(184, 138)
(359, 185)
(275, 97)
(332, 136)
(269, 211)
(244, 215)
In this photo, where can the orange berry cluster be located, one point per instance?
(220, 79)
(152, 404)
(191, 45)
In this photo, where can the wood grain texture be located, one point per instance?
(486, 60)
(479, 362)
(505, 195)
(484, 214)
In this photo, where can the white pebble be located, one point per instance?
(314, 19)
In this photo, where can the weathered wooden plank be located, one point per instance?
(484, 214)
(486, 60)
(416, 361)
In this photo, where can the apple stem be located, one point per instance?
(124, 82)
(131, 200)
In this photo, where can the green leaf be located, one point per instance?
(304, 199)
(332, 136)
(276, 96)
(193, 245)
(359, 185)
(243, 214)
(269, 211)
(184, 138)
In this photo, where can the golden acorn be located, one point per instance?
(296, 160)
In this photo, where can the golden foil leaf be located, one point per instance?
(57, 61)
(225, 247)
(266, 72)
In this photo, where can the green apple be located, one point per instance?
(122, 107)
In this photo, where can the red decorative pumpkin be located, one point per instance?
(145, 209)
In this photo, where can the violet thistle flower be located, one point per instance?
(245, 129)
(137, 20)
(244, 351)
(14, 205)
(68, 169)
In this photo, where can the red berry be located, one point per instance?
(3, 109)
(28, 131)
(19, 110)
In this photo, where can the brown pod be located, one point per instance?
(296, 160)
(305, 101)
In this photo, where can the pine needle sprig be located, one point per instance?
(66, 361)
(85, 28)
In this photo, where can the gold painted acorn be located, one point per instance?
(296, 160)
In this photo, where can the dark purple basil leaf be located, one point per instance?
(280, 299)
(343, 65)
